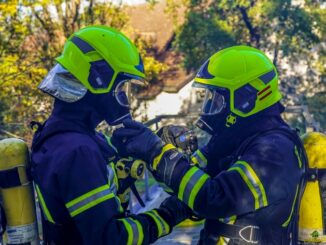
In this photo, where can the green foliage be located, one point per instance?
(32, 34)
(278, 27)
(197, 43)
(318, 109)
(292, 33)
(152, 66)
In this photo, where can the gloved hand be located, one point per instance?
(179, 136)
(176, 211)
(137, 141)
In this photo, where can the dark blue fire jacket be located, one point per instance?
(254, 189)
(77, 188)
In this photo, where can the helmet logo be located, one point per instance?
(230, 120)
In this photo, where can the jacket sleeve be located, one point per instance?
(90, 198)
(254, 181)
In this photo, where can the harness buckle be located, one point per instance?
(248, 234)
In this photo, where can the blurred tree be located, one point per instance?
(292, 33)
(32, 34)
(278, 27)
(317, 107)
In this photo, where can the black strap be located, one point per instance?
(314, 174)
(136, 193)
(249, 234)
(3, 221)
(10, 178)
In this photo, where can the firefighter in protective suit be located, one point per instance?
(246, 181)
(72, 164)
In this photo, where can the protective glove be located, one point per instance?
(175, 210)
(179, 136)
(137, 141)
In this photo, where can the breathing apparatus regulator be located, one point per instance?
(181, 137)
(129, 171)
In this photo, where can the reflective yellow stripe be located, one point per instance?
(199, 158)
(108, 139)
(184, 181)
(229, 220)
(89, 200)
(191, 184)
(162, 227)
(134, 230)
(45, 209)
(194, 160)
(222, 241)
(253, 182)
(115, 180)
(298, 157)
(116, 183)
(158, 158)
(286, 223)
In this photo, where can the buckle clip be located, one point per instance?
(313, 174)
(247, 234)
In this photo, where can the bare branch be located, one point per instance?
(276, 51)
(254, 36)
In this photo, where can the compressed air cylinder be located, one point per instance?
(313, 204)
(17, 193)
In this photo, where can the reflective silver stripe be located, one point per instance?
(135, 232)
(77, 206)
(162, 226)
(111, 176)
(191, 183)
(190, 186)
(254, 183)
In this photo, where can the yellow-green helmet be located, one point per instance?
(85, 48)
(240, 78)
(93, 58)
(247, 73)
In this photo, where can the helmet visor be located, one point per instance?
(214, 101)
(61, 84)
(127, 90)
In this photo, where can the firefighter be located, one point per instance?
(72, 164)
(246, 181)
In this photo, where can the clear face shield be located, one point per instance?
(213, 100)
(62, 85)
(128, 90)
(214, 104)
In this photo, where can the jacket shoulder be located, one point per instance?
(69, 142)
(274, 146)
